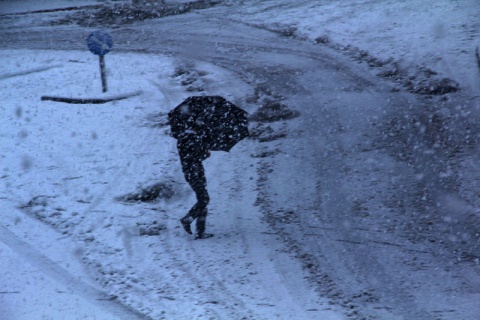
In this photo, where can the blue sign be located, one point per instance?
(100, 42)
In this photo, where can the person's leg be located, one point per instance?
(201, 221)
(198, 182)
(195, 176)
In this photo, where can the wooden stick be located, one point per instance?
(477, 54)
(91, 100)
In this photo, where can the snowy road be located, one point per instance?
(350, 188)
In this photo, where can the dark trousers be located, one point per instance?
(195, 176)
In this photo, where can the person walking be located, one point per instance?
(201, 124)
(192, 152)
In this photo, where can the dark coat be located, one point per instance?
(191, 148)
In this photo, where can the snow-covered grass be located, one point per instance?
(69, 158)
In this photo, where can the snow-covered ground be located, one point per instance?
(439, 35)
(65, 165)
(70, 248)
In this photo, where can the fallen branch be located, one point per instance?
(53, 10)
(25, 72)
(91, 100)
(477, 54)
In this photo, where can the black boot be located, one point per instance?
(204, 235)
(200, 234)
(186, 221)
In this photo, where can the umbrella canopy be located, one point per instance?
(220, 123)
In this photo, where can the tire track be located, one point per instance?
(191, 263)
(204, 265)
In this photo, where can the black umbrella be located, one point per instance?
(221, 123)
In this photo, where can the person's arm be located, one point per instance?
(202, 151)
(193, 145)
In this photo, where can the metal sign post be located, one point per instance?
(100, 43)
(103, 73)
